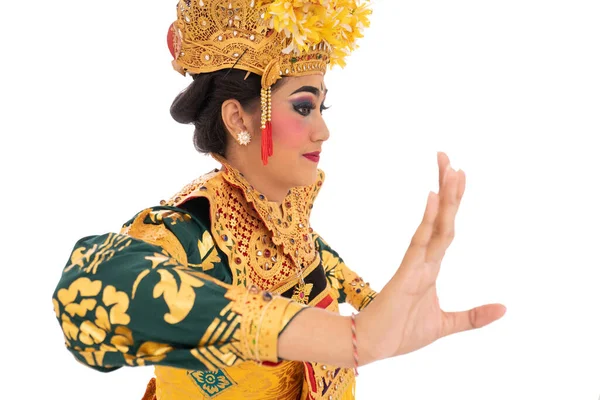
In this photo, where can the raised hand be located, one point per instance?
(406, 314)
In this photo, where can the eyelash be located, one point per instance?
(309, 106)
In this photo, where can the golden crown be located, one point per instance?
(282, 37)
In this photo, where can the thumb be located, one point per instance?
(454, 322)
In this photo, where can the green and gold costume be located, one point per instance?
(201, 287)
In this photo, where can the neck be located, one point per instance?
(256, 174)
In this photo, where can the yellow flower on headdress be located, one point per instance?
(337, 23)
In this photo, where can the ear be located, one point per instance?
(234, 117)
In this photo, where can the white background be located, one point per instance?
(509, 89)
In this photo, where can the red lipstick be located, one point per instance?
(314, 156)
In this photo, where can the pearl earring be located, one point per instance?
(243, 138)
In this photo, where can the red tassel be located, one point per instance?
(266, 148)
(270, 139)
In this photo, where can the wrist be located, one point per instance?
(366, 353)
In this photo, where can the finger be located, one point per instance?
(443, 230)
(474, 318)
(443, 163)
(422, 236)
(462, 181)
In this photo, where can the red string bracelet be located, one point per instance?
(354, 344)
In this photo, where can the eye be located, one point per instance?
(324, 107)
(304, 108)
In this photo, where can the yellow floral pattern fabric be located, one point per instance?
(150, 295)
(346, 285)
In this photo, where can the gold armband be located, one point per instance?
(358, 293)
(263, 317)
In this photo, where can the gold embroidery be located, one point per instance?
(302, 292)
(358, 293)
(56, 309)
(88, 259)
(106, 331)
(119, 302)
(179, 294)
(159, 234)
(149, 351)
(159, 216)
(293, 281)
(265, 245)
(250, 382)
(211, 351)
(261, 321)
(156, 259)
(178, 297)
(334, 276)
(208, 253)
(83, 287)
(212, 383)
(330, 381)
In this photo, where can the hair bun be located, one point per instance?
(189, 103)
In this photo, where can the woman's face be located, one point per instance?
(298, 133)
(299, 130)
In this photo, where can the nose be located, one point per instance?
(321, 132)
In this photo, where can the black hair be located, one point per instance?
(200, 104)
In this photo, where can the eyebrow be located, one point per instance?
(309, 89)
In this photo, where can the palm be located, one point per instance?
(423, 323)
(407, 310)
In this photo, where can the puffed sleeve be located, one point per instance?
(347, 286)
(157, 293)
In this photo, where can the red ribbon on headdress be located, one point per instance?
(271, 74)
(266, 148)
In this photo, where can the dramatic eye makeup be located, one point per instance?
(303, 106)
(306, 104)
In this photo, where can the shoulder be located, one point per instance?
(163, 215)
(186, 213)
(203, 186)
(196, 197)
(174, 229)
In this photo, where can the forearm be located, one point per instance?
(318, 335)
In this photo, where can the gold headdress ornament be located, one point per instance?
(270, 38)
